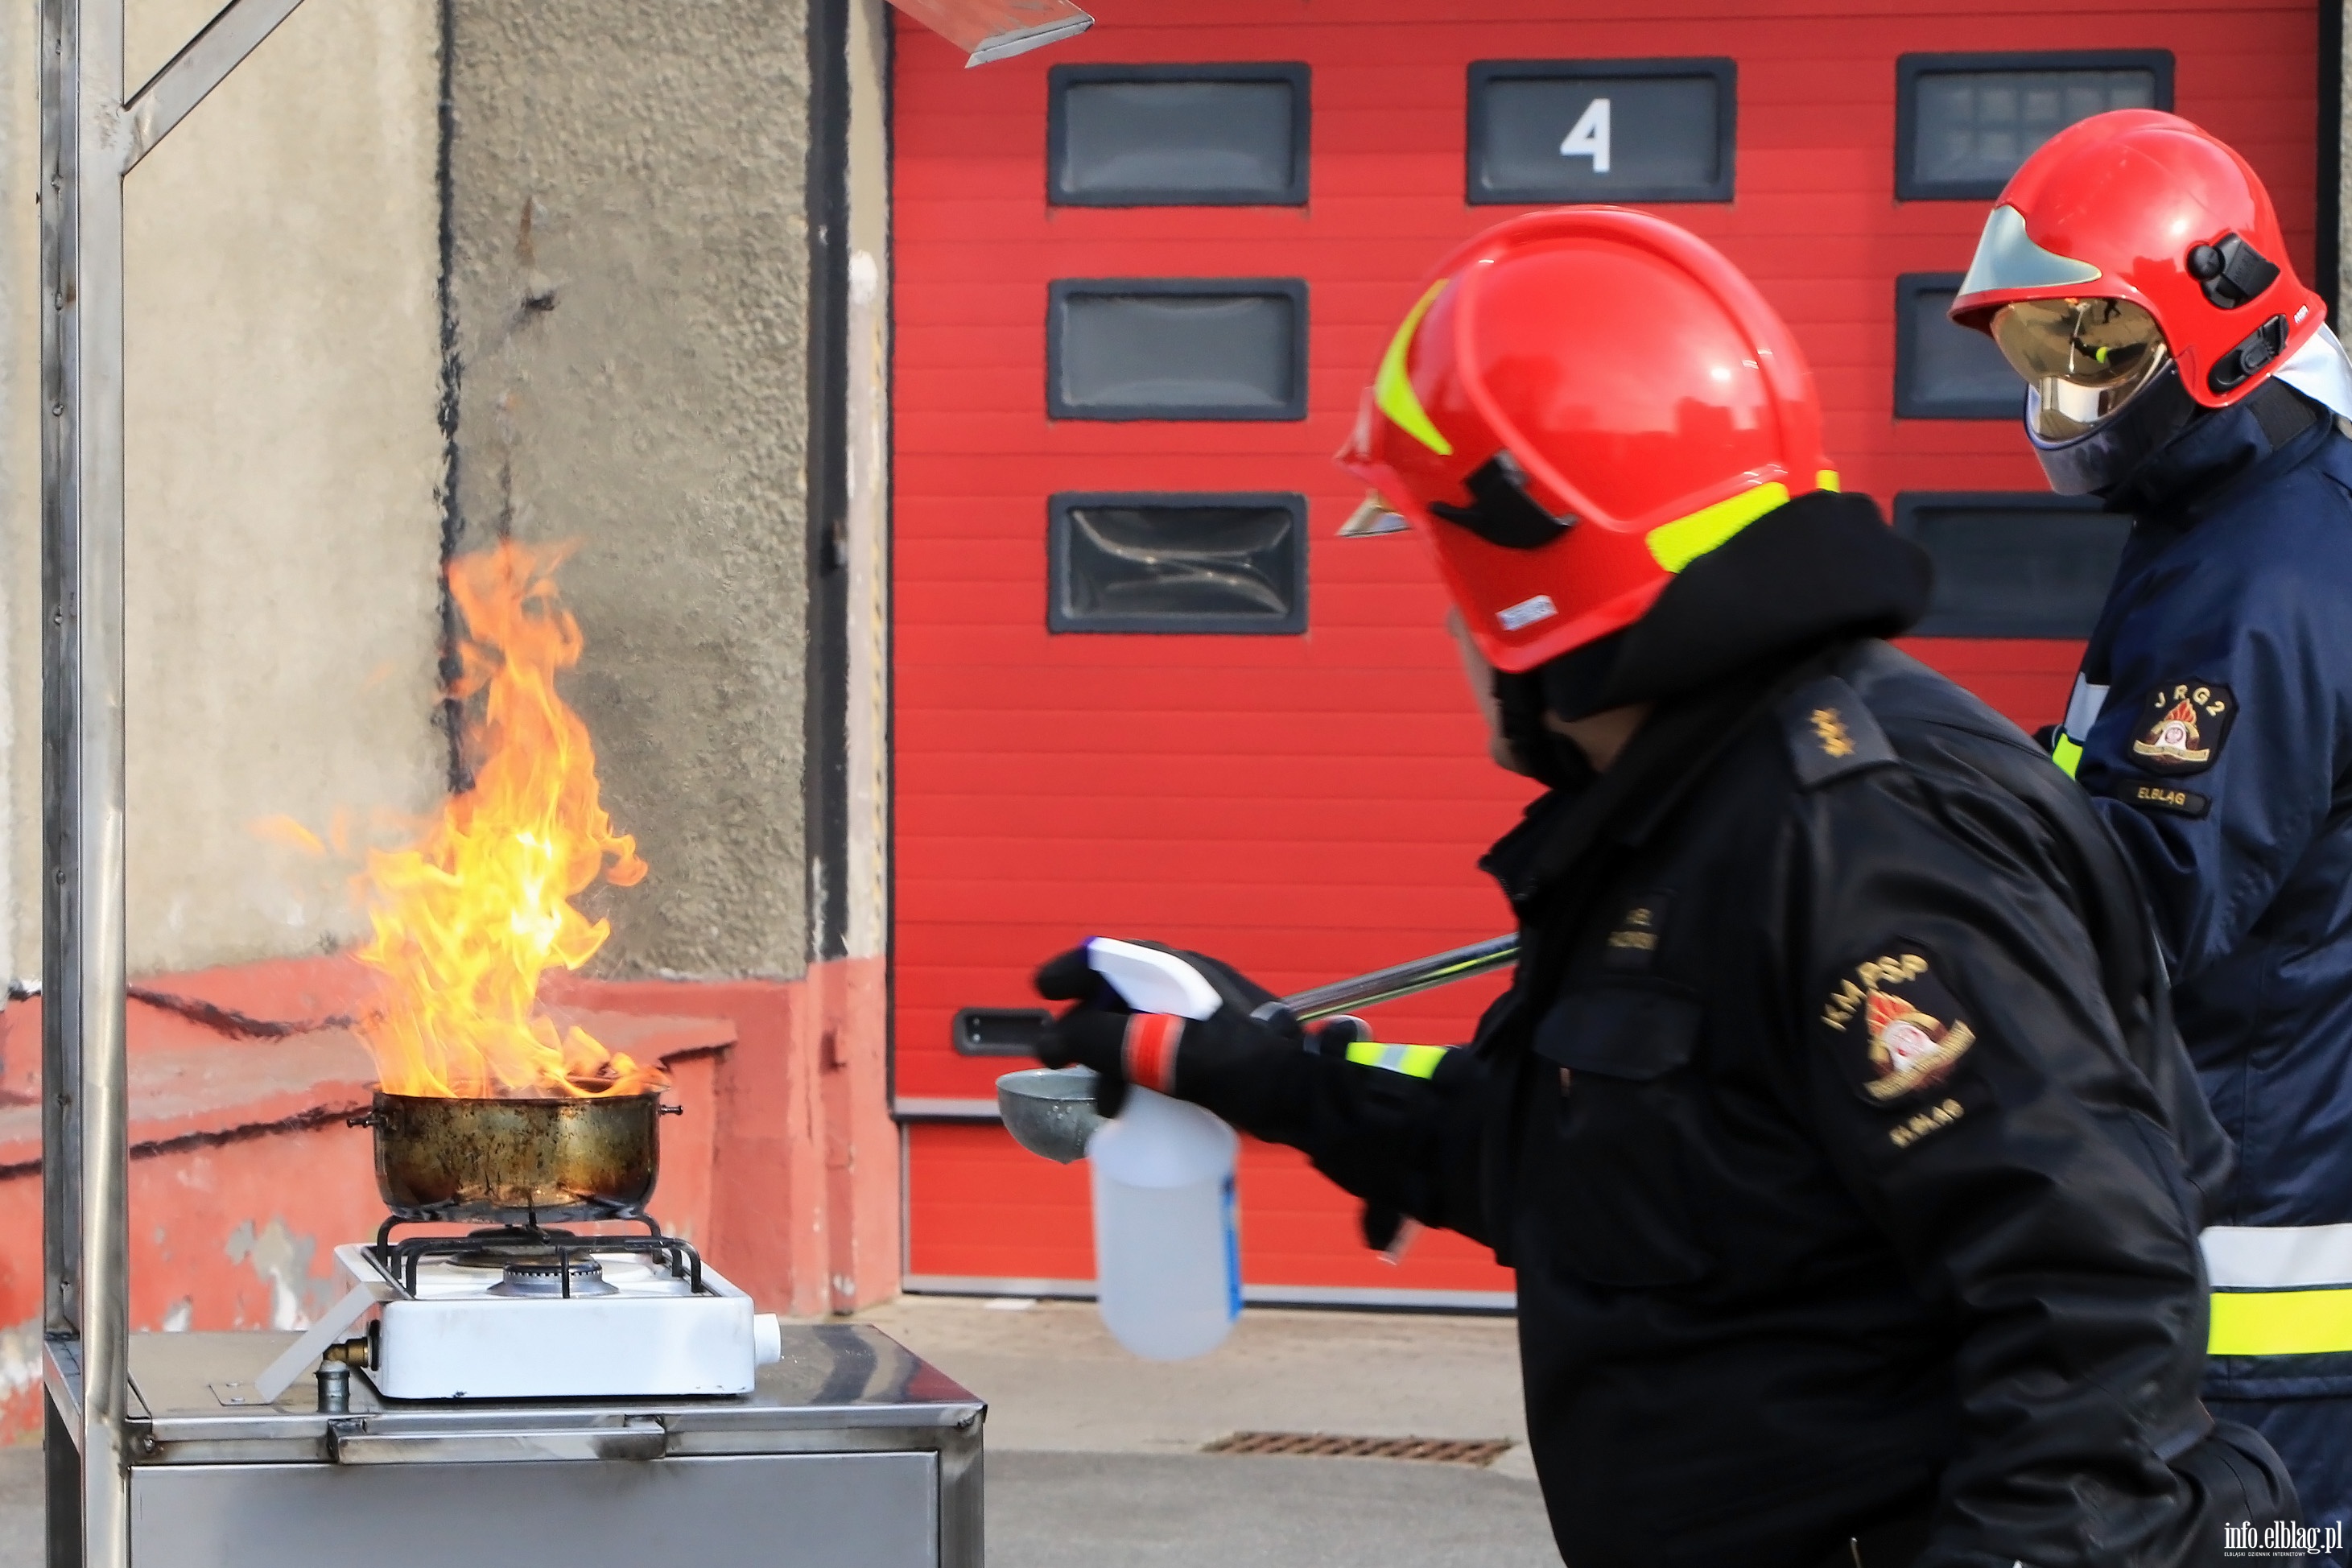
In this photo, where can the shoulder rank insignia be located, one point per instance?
(2182, 726)
(1908, 1026)
(1831, 733)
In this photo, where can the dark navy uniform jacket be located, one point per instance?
(2221, 754)
(1834, 1125)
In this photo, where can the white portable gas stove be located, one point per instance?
(531, 1313)
(534, 1314)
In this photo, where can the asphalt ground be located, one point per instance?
(1152, 1511)
(20, 1507)
(1095, 1461)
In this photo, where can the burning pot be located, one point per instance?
(517, 1161)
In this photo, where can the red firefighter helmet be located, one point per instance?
(1579, 403)
(2127, 239)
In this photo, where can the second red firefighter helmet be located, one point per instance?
(2128, 241)
(1578, 405)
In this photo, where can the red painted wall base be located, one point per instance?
(783, 1170)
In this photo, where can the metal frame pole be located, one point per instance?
(84, 1160)
(92, 137)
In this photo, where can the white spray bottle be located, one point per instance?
(1167, 1242)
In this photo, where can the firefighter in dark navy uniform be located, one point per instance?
(2135, 274)
(1834, 1123)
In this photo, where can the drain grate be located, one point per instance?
(1325, 1444)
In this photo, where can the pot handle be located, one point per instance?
(364, 1119)
(669, 1110)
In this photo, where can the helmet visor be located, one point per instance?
(2083, 358)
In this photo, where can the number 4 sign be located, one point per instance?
(1590, 139)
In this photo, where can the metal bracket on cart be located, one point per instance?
(635, 1437)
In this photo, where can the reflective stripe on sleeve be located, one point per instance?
(2277, 1256)
(2282, 1289)
(1413, 1061)
(2083, 706)
(2281, 1323)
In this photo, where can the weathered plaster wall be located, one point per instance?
(20, 501)
(631, 263)
(868, 427)
(2339, 315)
(283, 456)
(863, 1151)
(629, 256)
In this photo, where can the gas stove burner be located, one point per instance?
(494, 1249)
(536, 1263)
(539, 1279)
(487, 1260)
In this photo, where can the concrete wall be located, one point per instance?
(281, 461)
(631, 268)
(630, 273)
(283, 350)
(867, 534)
(20, 498)
(627, 277)
(2337, 315)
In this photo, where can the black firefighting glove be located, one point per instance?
(1190, 1059)
(1222, 1062)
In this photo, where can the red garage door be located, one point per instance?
(1140, 279)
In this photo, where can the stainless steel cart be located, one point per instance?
(853, 1453)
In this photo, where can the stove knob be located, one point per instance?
(766, 1339)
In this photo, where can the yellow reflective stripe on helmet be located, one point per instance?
(2067, 754)
(1393, 388)
(1678, 544)
(1413, 1061)
(2281, 1323)
(1827, 479)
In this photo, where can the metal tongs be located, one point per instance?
(1403, 979)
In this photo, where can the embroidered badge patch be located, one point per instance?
(2164, 797)
(2182, 726)
(1633, 943)
(1910, 1026)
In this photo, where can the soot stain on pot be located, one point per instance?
(517, 1161)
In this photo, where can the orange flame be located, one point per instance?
(468, 917)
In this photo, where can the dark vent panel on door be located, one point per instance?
(1943, 369)
(1188, 348)
(1223, 135)
(2013, 563)
(1159, 562)
(998, 1031)
(1602, 131)
(1963, 123)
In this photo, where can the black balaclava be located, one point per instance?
(2123, 459)
(1822, 567)
(2102, 456)
(2212, 448)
